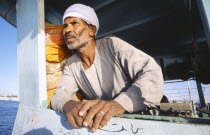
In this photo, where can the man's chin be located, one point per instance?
(76, 46)
(70, 47)
(73, 47)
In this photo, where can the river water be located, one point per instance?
(8, 111)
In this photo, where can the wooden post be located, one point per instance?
(204, 8)
(201, 98)
(31, 53)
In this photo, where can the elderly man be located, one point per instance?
(114, 76)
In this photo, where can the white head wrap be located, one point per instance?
(83, 12)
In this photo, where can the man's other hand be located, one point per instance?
(71, 110)
(99, 112)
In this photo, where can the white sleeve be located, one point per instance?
(66, 90)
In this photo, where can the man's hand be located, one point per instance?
(99, 112)
(91, 113)
(71, 110)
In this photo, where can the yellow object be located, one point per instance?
(49, 96)
(52, 67)
(79, 97)
(56, 53)
(53, 28)
(53, 80)
(54, 34)
(54, 39)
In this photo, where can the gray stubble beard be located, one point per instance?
(78, 42)
(76, 47)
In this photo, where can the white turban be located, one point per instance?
(83, 12)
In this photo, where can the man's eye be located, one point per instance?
(74, 22)
(64, 25)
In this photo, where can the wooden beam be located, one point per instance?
(107, 2)
(201, 97)
(204, 8)
(137, 23)
(203, 110)
(53, 16)
(8, 11)
(31, 53)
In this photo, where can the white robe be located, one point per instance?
(120, 72)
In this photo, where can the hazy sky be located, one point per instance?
(8, 55)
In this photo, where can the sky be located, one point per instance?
(8, 55)
(9, 75)
(180, 92)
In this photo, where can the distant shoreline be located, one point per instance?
(9, 98)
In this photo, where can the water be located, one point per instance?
(8, 111)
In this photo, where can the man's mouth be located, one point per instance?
(70, 38)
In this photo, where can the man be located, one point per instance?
(114, 76)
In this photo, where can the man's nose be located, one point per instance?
(68, 28)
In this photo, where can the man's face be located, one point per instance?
(76, 32)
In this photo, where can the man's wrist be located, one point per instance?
(67, 104)
(121, 107)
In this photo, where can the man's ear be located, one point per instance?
(92, 30)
